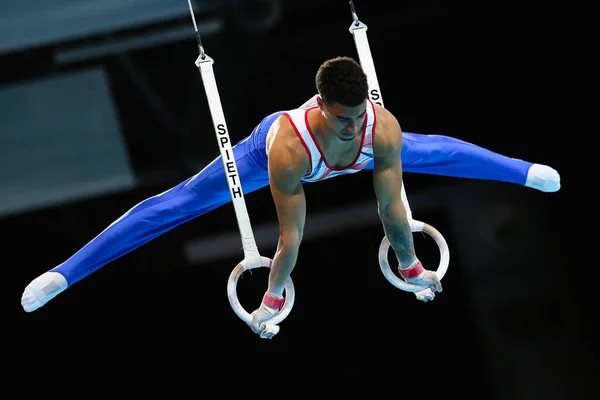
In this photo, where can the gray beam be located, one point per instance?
(120, 46)
(23, 25)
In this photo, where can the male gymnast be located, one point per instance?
(338, 131)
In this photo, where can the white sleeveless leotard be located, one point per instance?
(320, 168)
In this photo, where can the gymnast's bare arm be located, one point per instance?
(387, 182)
(288, 162)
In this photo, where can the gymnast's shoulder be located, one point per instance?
(284, 149)
(388, 134)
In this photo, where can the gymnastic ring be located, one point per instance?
(416, 226)
(271, 323)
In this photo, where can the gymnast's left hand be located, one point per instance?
(429, 279)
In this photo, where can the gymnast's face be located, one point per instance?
(345, 122)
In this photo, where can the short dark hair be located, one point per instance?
(342, 80)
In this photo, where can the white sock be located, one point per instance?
(544, 178)
(42, 289)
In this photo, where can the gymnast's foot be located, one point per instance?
(544, 178)
(42, 289)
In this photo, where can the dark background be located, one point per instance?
(516, 318)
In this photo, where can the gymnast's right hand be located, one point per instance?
(269, 307)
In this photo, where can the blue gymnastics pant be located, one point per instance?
(208, 189)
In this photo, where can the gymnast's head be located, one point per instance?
(343, 90)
